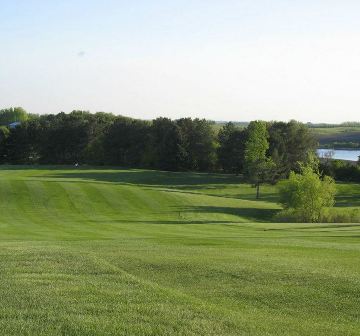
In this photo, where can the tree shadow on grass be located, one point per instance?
(202, 190)
(188, 181)
(251, 214)
(320, 227)
(265, 197)
(343, 201)
(167, 222)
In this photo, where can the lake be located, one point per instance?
(340, 154)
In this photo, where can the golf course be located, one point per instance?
(92, 251)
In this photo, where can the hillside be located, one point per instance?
(46, 203)
(338, 137)
(134, 252)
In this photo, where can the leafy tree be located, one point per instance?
(184, 144)
(307, 194)
(197, 145)
(64, 137)
(290, 144)
(4, 134)
(341, 170)
(231, 150)
(126, 141)
(164, 151)
(98, 126)
(20, 146)
(12, 114)
(258, 168)
(204, 145)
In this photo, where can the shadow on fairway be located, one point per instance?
(251, 214)
(183, 221)
(40, 167)
(188, 182)
(320, 227)
(265, 197)
(348, 200)
(149, 178)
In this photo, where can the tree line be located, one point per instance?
(176, 145)
(263, 152)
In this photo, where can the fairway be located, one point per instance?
(139, 252)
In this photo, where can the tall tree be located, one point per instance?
(4, 134)
(98, 126)
(64, 137)
(231, 150)
(290, 144)
(126, 141)
(21, 146)
(258, 167)
(164, 151)
(197, 144)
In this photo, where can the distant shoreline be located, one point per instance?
(349, 155)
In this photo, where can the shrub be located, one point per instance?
(287, 216)
(341, 216)
(307, 195)
(341, 170)
(333, 215)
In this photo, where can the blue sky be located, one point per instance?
(222, 60)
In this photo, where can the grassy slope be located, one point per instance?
(109, 252)
(337, 134)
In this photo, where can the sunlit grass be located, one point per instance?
(133, 252)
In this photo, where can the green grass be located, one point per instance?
(133, 252)
(335, 130)
(346, 137)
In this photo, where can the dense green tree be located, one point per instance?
(307, 194)
(20, 146)
(64, 137)
(258, 167)
(289, 145)
(204, 145)
(184, 144)
(164, 151)
(59, 139)
(13, 114)
(197, 148)
(125, 142)
(341, 170)
(98, 126)
(231, 150)
(4, 134)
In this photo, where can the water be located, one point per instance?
(340, 154)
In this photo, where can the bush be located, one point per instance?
(333, 215)
(287, 216)
(341, 216)
(341, 170)
(306, 195)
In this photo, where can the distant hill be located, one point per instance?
(338, 137)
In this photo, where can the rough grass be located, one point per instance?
(132, 252)
(347, 136)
